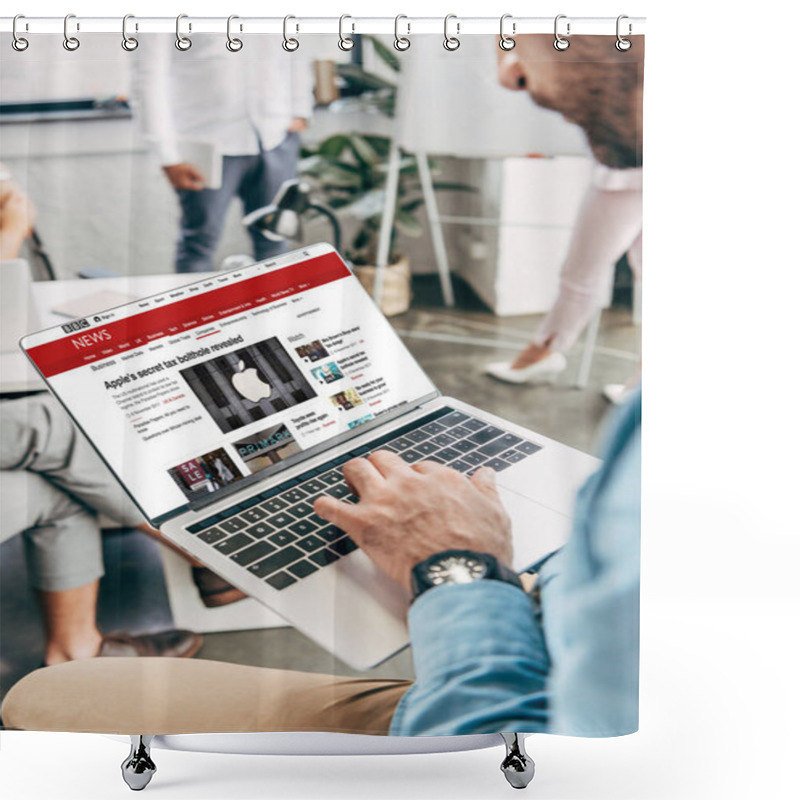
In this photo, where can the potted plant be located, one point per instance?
(350, 170)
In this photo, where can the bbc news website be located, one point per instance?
(190, 391)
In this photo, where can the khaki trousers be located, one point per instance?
(174, 695)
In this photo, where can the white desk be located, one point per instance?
(16, 375)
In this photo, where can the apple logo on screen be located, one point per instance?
(249, 385)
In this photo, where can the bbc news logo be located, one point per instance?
(77, 325)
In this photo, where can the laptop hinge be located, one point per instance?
(215, 497)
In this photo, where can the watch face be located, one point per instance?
(456, 569)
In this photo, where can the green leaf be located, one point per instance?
(362, 238)
(446, 186)
(334, 146)
(385, 103)
(336, 174)
(380, 144)
(409, 169)
(412, 205)
(385, 54)
(363, 150)
(408, 166)
(359, 78)
(407, 223)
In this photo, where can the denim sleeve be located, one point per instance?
(590, 597)
(479, 649)
(480, 662)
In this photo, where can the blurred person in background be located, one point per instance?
(52, 489)
(203, 105)
(610, 221)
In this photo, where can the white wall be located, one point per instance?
(102, 200)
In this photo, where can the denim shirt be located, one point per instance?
(487, 661)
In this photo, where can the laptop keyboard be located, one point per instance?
(277, 536)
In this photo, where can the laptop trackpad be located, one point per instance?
(536, 530)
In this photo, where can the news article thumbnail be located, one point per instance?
(205, 474)
(266, 447)
(347, 399)
(249, 384)
(327, 373)
(360, 421)
(313, 351)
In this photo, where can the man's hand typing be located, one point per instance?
(408, 513)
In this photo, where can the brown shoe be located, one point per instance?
(171, 644)
(215, 591)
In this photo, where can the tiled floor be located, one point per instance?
(133, 596)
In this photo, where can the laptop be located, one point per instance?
(226, 406)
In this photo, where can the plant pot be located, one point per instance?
(396, 292)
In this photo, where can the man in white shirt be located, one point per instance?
(206, 104)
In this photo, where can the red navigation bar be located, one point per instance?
(92, 344)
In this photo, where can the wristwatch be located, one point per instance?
(458, 566)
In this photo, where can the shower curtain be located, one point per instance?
(489, 199)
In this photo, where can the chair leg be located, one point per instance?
(138, 768)
(387, 220)
(517, 766)
(432, 209)
(589, 342)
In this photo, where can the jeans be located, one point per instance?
(255, 179)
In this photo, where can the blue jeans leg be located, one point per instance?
(203, 216)
(260, 185)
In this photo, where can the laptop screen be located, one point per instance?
(189, 392)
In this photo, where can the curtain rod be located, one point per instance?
(300, 25)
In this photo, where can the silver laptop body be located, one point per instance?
(345, 605)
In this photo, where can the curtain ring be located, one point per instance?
(71, 43)
(401, 43)
(19, 43)
(233, 44)
(623, 44)
(507, 42)
(182, 42)
(560, 42)
(129, 43)
(289, 44)
(346, 43)
(451, 43)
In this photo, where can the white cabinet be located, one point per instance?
(534, 203)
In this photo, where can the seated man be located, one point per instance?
(52, 487)
(488, 656)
